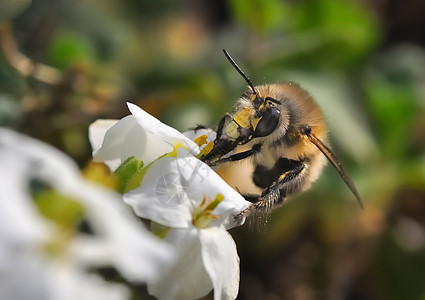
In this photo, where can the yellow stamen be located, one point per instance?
(201, 140)
(203, 201)
(202, 215)
(207, 149)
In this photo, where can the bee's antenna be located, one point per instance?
(240, 71)
(334, 161)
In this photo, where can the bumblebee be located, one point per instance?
(283, 132)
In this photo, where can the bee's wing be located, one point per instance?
(334, 161)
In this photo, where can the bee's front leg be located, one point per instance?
(273, 195)
(238, 156)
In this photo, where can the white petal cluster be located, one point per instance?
(140, 135)
(192, 204)
(39, 259)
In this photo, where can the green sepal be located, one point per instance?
(159, 230)
(128, 175)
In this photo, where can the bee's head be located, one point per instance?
(258, 116)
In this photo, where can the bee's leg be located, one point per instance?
(251, 197)
(221, 145)
(274, 194)
(238, 156)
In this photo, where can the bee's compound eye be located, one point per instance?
(268, 122)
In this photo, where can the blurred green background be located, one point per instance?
(64, 64)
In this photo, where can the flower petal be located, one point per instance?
(203, 181)
(69, 282)
(25, 225)
(45, 279)
(126, 138)
(133, 250)
(159, 129)
(113, 142)
(97, 131)
(187, 278)
(163, 195)
(173, 187)
(221, 261)
(193, 134)
(42, 161)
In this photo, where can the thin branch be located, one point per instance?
(22, 63)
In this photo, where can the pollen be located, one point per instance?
(232, 130)
(242, 118)
(281, 177)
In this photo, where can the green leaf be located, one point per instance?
(69, 48)
(334, 32)
(393, 98)
(261, 15)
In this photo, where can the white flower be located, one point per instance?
(194, 206)
(52, 262)
(173, 187)
(207, 260)
(184, 194)
(195, 134)
(140, 135)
